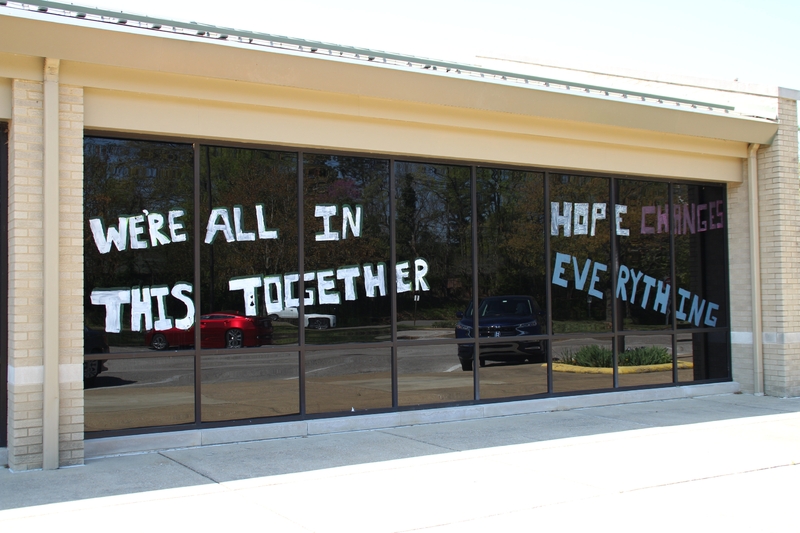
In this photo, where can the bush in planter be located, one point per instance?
(600, 357)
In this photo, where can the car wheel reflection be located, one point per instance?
(234, 338)
(159, 342)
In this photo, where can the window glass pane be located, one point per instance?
(248, 205)
(434, 280)
(512, 284)
(643, 282)
(346, 206)
(434, 243)
(430, 374)
(644, 360)
(703, 356)
(253, 385)
(144, 392)
(582, 364)
(351, 380)
(700, 256)
(581, 218)
(138, 249)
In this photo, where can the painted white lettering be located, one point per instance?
(564, 220)
(112, 299)
(580, 225)
(238, 226)
(248, 287)
(289, 298)
(176, 226)
(326, 287)
(274, 305)
(182, 291)
(326, 211)
(136, 229)
(310, 294)
(263, 231)
(164, 321)
(224, 225)
(354, 222)
(402, 274)
(116, 235)
(598, 213)
(349, 275)
(420, 271)
(620, 210)
(155, 223)
(141, 307)
(375, 279)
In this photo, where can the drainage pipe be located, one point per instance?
(755, 269)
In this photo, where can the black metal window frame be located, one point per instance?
(302, 348)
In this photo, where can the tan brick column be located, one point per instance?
(779, 205)
(71, 275)
(26, 276)
(25, 372)
(741, 303)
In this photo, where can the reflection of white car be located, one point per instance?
(312, 320)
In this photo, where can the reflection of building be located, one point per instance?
(459, 144)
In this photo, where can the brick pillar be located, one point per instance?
(779, 205)
(25, 274)
(741, 303)
(25, 369)
(71, 275)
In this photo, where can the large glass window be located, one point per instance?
(433, 280)
(701, 298)
(340, 284)
(346, 215)
(512, 281)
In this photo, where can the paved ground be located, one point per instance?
(722, 463)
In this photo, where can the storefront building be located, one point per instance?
(331, 218)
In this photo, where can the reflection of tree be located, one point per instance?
(240, 177)
(434, 222)
(511, 233)
(352, 181)
(125, 178)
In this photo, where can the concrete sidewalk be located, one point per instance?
(727, 462)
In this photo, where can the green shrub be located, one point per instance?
(600, 357)
(645, 355)
(592, 355)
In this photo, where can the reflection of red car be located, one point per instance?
(217, 330)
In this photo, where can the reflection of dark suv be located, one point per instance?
(93, 342)
(502, 316)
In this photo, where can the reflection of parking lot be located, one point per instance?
(160, 391)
